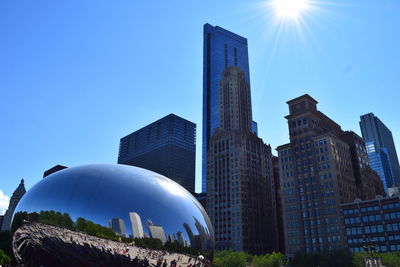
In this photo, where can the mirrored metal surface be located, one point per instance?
(110, 214)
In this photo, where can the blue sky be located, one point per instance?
(77, 75)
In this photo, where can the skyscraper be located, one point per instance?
(136, 224)
(156, 231)
(166, 146)
(240, 199)
(321, 168)
(278, 206)
(221, 49)
(368, 182)
(15, 198)
(379, 160)
(118, 225)
(374, 130)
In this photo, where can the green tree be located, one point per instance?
(80, 224)
(228, 258)
(390, 259)
(5, 242)
(269, 260)
(358, 259)
(4, 258)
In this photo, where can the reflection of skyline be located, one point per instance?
(202, 240)
(157, 232)
(136, 223)
(118, 225)
(197, 234)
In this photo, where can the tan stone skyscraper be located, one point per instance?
(321, 168)
(240, 201)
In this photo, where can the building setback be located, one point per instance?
(166, 146)
(221, 49)
(372, 222)
(374, 130)
(368, 182)
(317, 174)
(240, 199)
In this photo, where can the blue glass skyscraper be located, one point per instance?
(374, 130)
(379, 162)
(222, 49)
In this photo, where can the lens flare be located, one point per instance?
(290, 9)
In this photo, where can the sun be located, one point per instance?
(290, 9)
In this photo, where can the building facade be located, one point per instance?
(166, 146)
(15, 198)
(374, 130)
(221, 49)
(156, 231)
(240, 199)
(278, 205)
(136, 225)
(118, 225)
(321, 168)
(54, 169)
(372, 222)
(368, 182)
(380, 162)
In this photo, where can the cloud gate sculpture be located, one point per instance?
(111, 215)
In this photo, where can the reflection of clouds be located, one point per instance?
(171, 186)
(4, 200)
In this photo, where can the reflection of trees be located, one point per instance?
(64, 220)
(5, 242)
(95, 229)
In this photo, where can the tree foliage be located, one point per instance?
(269, 260)
(5, 243)
(64, 220)
(4, 258)
(390, 259)
(228, 258)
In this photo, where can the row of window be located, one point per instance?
(367, 209)
(369, 229)
(372, 218)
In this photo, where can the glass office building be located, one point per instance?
(167, 146)
(379, 162)
(222, 49)
(374, 130)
